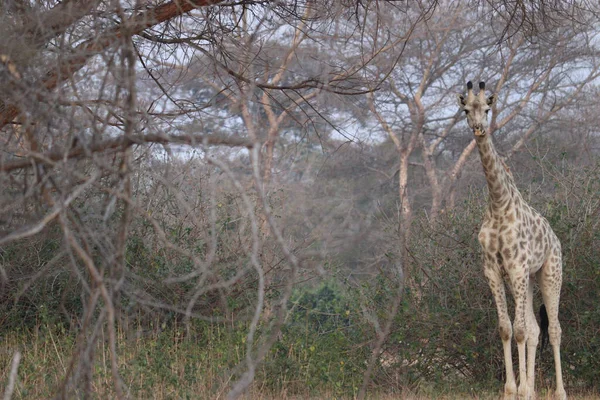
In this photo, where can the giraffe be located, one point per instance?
(518, 247)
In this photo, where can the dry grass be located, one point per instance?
(150, 368)
(408, 395)
(168, 369)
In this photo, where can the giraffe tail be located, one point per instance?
(544, 327)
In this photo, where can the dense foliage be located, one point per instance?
(444, 332)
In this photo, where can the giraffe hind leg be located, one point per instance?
(544, 327)
(550, 280)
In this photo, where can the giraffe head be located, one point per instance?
(476, 107)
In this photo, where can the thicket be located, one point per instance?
(445, 332)
(450, 330)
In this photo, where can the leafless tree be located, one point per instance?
(416, 111)
(149, 140)
(94, 96)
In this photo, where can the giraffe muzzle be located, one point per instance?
(478, 131)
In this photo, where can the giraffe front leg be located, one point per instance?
(533, 333)
(504, 326)
(520, 286)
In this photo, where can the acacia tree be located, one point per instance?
(417, 111)
(95, 93)
(415, 107)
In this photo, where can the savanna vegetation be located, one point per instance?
(211, 199)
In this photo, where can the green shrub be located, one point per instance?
(449, 331)
(320, 343)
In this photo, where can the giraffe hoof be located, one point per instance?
(524, 393)
(560, 395)
(510, 391)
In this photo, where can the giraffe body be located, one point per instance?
(518, 247)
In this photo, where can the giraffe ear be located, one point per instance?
(491, 100)
(460, 100)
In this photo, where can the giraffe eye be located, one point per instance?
(466, 111)
(487, 111)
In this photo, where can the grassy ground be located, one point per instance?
(165, 366)
(409, 395)
(151, 366)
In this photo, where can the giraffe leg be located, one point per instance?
(533, 333)
(520, 284)
(504, 326)
(550, 278)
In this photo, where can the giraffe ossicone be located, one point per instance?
(518, 247)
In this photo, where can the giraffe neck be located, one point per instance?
(501, 186)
